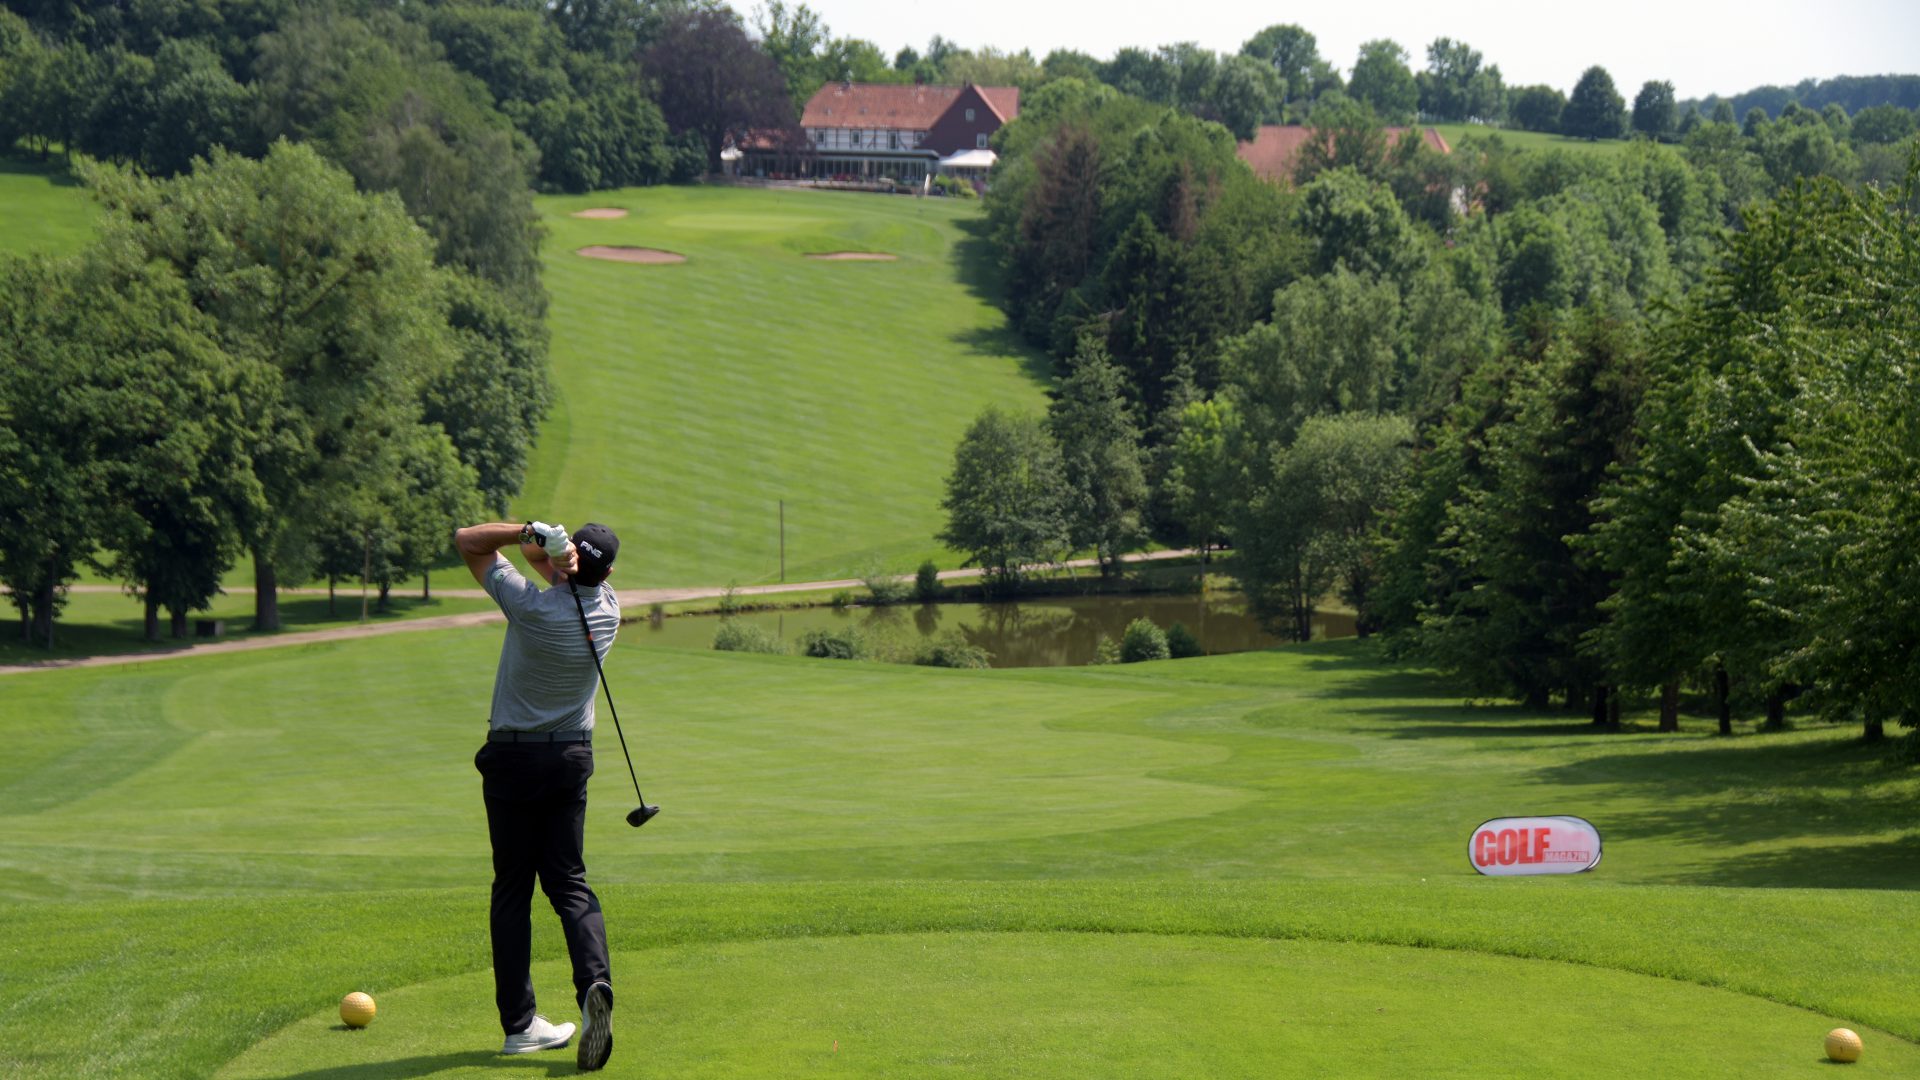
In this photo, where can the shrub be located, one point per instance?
(1107, 651)
(730, 599)
(841, 599)
(951, 650)
(1143, 641)
(1181, 643)
(737, 636)
(842, 644)
(884, 584)
(926, 583)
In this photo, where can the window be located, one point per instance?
(969, 116)
(980, 141)
(893, 140)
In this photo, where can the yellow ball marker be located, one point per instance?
(1843, 1045)
(357, 1009)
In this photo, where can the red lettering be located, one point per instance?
(1509, 847)
(1483, 848)
(1541, 844)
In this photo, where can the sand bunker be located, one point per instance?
(601, 213)
(854, 256)
(631, 254)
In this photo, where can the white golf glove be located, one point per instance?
(551, 537)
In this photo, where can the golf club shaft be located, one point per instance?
(595, 653)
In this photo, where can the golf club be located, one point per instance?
(643, 813)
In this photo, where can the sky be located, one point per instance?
(1702, 48)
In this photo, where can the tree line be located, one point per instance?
(253, 357)
(1476, 395)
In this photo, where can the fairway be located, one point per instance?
(1223, 866)
(694, 398)
(43, 209)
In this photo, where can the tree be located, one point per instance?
(50, 468)
(1093, 425)
(1346, 135)
(177, 483)
(1294, 54)
(794, 37)
(1882, 124)
(1457, 87)
(334, 291)
(1760, 529)
(1536, 108)
(712, 80)
(1382, 79)
(491, 401)
(1006, 496)
(1308, 522)
(1653, 110)
(1356, 223)
(1516, 627)
(1242, 96)
(1595, 110)
(1332, 345)
(1204, 476)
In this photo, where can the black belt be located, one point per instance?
(583, 735)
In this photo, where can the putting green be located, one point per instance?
(1090, 1005)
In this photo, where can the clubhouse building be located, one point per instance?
(875, 131)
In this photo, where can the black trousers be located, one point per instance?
(536, 797)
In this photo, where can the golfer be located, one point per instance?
(535, 764)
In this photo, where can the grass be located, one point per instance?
(43, 209)
(1530, 140)
(695, 398)
(1225, 866)
(113, 623)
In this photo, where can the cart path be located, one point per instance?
(631, 600)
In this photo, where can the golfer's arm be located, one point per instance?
(480, 545)
(540, 563)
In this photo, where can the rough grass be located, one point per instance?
(219, 848)
(694, 398)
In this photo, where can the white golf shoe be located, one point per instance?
(596, 1028)
(540, 1035)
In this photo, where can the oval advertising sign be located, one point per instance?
(1510, 846)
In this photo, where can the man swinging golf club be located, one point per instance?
(535, 764)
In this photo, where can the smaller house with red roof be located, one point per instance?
(874, 131)
(1274, 150)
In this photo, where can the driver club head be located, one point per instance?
(641, 815)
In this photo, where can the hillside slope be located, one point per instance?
(695, 397)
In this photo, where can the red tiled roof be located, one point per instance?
(1274, 148)
(911, 108)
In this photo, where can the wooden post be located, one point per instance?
(366, 571)
(783, 540)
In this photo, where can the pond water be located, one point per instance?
(1047, 632)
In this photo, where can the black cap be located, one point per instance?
(596, 545)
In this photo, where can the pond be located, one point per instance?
(1043, 632)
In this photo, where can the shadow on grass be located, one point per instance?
(1885, 865)
(52, 170)
(1749, 791)
(127, 636)
(559, 1064)
(977, 266)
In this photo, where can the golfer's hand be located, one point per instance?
(556, 543)
(568, 564)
